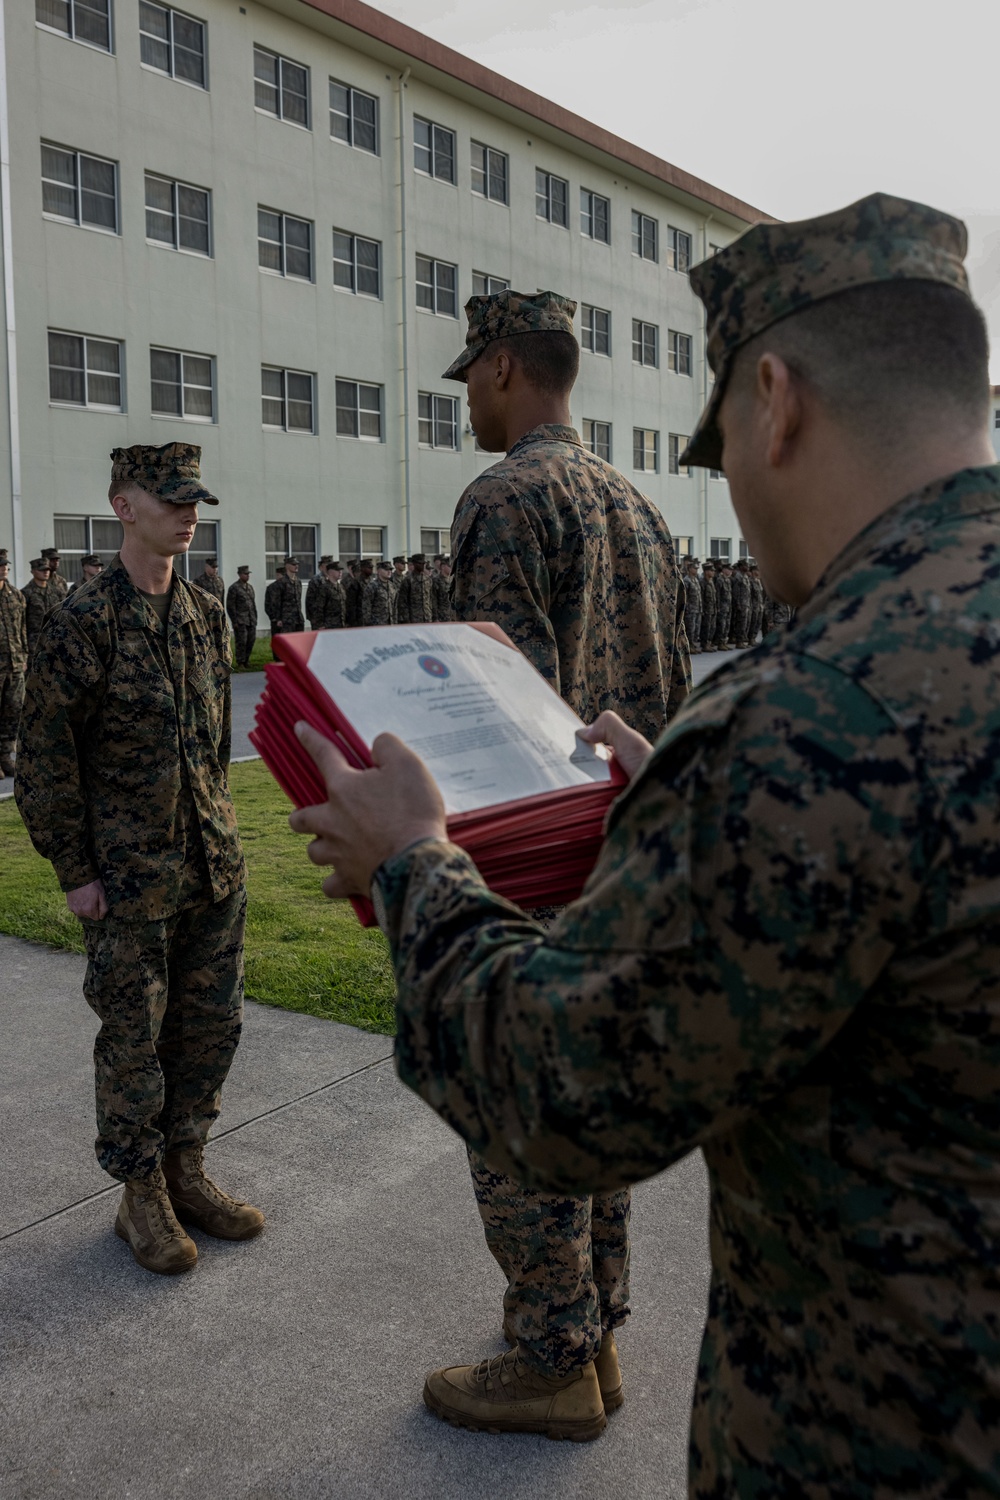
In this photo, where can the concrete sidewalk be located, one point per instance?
(292, 1365)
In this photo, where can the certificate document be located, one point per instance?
(488, 726)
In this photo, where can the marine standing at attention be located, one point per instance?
(788, 952)
(122, 784)
(241, 607)
(39, 601)
(211, 581)
(13, 663)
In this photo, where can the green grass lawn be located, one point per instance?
(303, 952)
(260, 655)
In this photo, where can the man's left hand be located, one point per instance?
(371, 815)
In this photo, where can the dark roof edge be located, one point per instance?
(413, 44)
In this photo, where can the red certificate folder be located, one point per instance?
(536, 851)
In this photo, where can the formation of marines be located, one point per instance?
(726, 607)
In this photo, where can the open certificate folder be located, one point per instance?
(525, 796)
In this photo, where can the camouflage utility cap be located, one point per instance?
(506, 314)
(172, 472)
(775, 270)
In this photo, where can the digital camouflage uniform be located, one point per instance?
(415, 599)
(353, 588)
(441, 598)
(13, 662)
(317, 601)
(723, 609)
(692, 609)
(57, 583)
(241, 607)
(775, 614)
(283, 602)
(786, 955)
(378, 602)
(39, 603)
(756, 608)
(214, 586)
(739, 618)
(709, 610)
(556, 547)
(122, 776)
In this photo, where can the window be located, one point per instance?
(683, 545)
(595, 216)
(81, 20)
(353, 117)
(281, 541)
(551, 198)
(357, 264)
(595, 329)
(360, 542)
(484, 285)
(359, 410)
(85, 371)
(678, 249)
(75, 536)
(678, 442)
(435, 540)
(645, 343)
(744, 551)
(284, 244)
(281, 87)
(996, 418)
(433, 149)
(716, 474)
(182, 385)
(489, 172)
(437, 286)
(646, 450)
(721, 548)
(172, 43)
(679, 352)
(597, 437)
(204, 544)
(177, 215)
(286, 399)
(644, 236)
(437, 423)
(79, 189)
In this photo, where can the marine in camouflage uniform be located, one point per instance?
(776, 614)
(723, 606)
(353, 590)
(283, 600)
(39, 602)
(415, 597)
(756, 605)
(787, 956)
(57, 583)
(316, 591)
(378, 601)
(710, 607)
(213, 582)
(122, 780)
(13, 663)
(441, 593)
(692, 607)
(241, 607)
(739, 619)
(556, 547)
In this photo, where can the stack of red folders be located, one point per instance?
(536, 851)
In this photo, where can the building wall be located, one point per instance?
(124, 287)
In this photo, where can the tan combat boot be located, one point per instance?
(609, 1371)
(147, 1223)
(196, 1199)
(504, 1395)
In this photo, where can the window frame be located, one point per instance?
(357, 436)
(350, 116)
(86, 404)
(674, 360)
(431, 148)
(433, 398)
(639, 223)
(279, 87)
(637, 449)
(78, 156)
(434, 285)
(289, 548)
(590, 425)
(71, 566)
(716, 544)
(353, 290)
(488, 290)
(284, 371)
(588, 329)
(676, 443)
(546, 195)
(488, 153)
(588, 214)
(282, 244)
(184, 416)
(171, 73)
(70, 36)
(641, 331)
(673, 235)
(175, 184)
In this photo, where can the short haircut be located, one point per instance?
(885, 357)
(549, 361)
(126, 487)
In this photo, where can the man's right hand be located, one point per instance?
(88, 901)
(629, 747)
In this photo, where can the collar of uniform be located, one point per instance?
(133, 608)
(969, 492)
(555, 432)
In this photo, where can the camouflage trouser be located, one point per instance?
(722, 628)
(170, 998)
(566, 1261)
(756, 622)
(11, 700)
(739, 624)
(692, 626)
(708, 620)
(243, 639)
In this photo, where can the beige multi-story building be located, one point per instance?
(254, 227)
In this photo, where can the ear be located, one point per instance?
(778, 392)
(504, 368)
(123, 509)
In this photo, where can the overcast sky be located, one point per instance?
(793, 107)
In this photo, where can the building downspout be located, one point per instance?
(404, 353)
(13, 424)
(703, 473)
